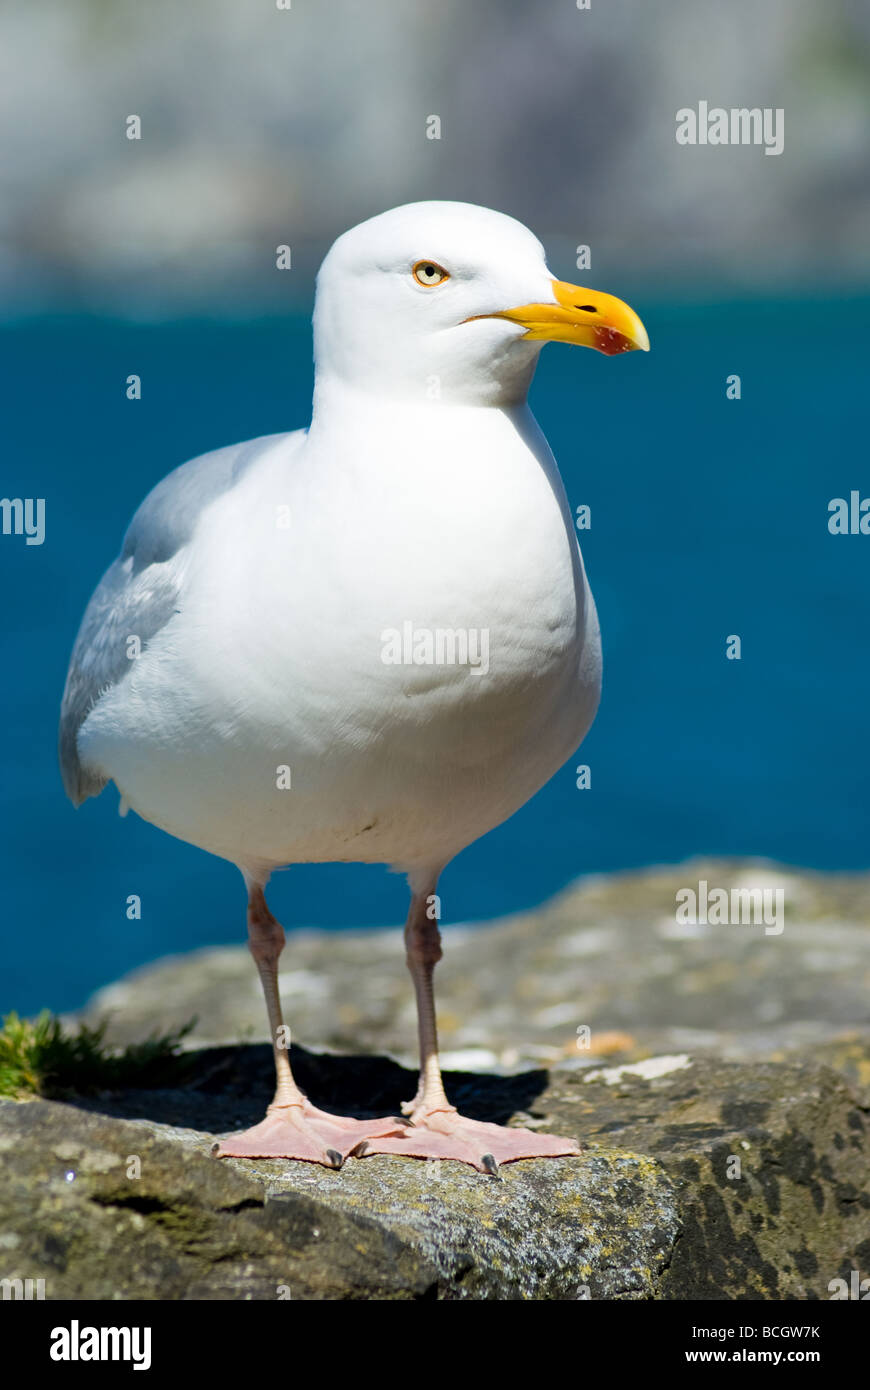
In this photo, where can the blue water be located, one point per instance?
(709, 518)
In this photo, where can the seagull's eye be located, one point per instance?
(429, 273)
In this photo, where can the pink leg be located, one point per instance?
(293, 1127)
(437, 1130)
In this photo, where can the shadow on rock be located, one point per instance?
(227, 1087)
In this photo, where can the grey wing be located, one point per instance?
(140, 592)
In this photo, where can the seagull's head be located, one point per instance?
(452, 302)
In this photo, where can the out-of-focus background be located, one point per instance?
(262, 127)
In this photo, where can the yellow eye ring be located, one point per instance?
(429, 274)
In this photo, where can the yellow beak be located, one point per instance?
(586, 317)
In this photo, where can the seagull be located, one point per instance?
(369, 641)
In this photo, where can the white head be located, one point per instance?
(453, 302)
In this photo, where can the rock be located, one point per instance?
(192, 1226)
(722, 1103)
(701, 1179)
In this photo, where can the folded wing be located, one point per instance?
(140, 592)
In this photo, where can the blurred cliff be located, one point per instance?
(263, 126)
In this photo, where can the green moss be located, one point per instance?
(40, 1058)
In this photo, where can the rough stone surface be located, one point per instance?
(653, 1208)
(197, 1227)
(723, 1107)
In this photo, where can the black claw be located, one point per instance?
(361, 1149)
(489, 1165)
(334, 1157)
(215, 1146)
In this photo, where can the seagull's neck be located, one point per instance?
(337, 402)
(444, 450)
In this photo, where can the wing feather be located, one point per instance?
(140, 592)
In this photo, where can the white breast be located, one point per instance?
(303, 586)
